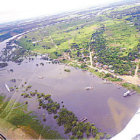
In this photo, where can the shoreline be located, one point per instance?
(114, 80)
(122, 80)
(81, 69)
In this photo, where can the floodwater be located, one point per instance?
(103, 105)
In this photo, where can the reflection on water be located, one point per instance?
(103, 105)
(119, 113)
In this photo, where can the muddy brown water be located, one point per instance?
(103, 105)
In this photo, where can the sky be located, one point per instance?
(11, 10)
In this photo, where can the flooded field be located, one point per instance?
(103, 105)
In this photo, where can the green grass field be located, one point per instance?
(118, 40)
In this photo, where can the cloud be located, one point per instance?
(21, 9)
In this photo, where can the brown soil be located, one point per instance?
(13, 133)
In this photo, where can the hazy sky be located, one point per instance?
(20, 9)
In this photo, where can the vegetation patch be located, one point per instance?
(17, 114)
(67, 70)
(131, 87)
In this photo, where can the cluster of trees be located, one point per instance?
(135, 53)
(131, 14)
(56, 54)
(50, 106)
(77, 128)
(110, 56)
(79, 52)
(15, 56)
(25, 95)
(64, 117)
(44, 100)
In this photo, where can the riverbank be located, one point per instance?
(98, 105)
(129, 82)
(122, 80)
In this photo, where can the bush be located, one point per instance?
(67, 70)
(55, 117)
(47, 96)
